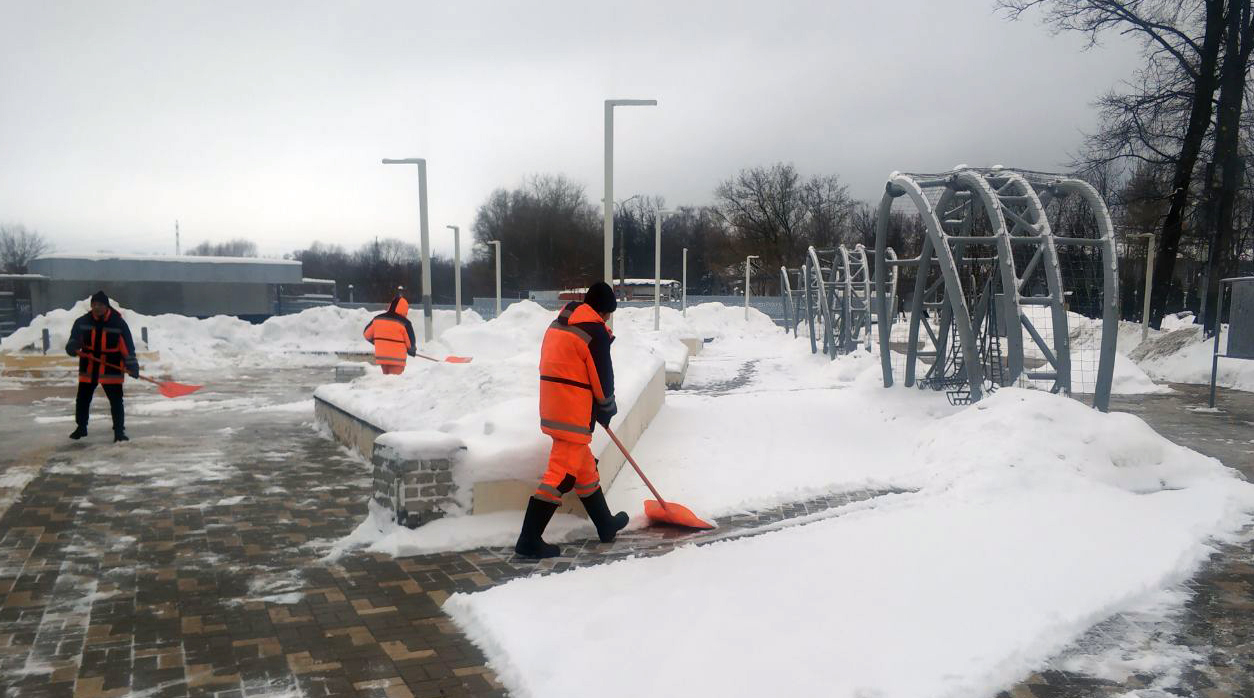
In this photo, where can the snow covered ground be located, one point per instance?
(1025, 519)
(189, 343)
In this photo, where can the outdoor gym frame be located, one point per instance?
(971, 273)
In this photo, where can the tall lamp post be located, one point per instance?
(748, 267)
(657, 267)
(428, 331)
(497, 244)
(683, 304)
(608, 229)
(457, 273)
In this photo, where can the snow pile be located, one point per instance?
(1184, 355)
(188, 342)
(489, 406)
(1033, 518)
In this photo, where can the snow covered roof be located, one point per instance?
(166, 268)
(307, 280)
(643, 282)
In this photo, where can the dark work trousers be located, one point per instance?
(82, 407)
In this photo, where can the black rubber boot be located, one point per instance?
(608, 525)
(530, 543)
(120, 435)
(79, 433)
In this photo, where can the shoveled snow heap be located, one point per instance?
(188, 342)
(1032, 518)
(491, 405)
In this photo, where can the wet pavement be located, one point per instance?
(192, 561)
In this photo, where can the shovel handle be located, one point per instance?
(639, 472)
(102, 362)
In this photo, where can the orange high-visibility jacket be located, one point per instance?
(575, 370)
(392, 334)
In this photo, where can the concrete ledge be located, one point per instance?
(507, 495)
(348, 429)
(694, 344)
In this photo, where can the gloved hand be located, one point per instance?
(73, 347)
(132, 366)
(412, 352)
(604, 413)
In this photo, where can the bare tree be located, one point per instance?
(18, 246)
(1164, 115)
(238, 247)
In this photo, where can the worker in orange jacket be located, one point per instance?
(576, 392)
(392, 336)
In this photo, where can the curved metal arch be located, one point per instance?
(785, 291)
(824, 303)
(1110, 284)
(1035, 224)
(936, 246)
(978, 187)
(860, 295)
(842, 287)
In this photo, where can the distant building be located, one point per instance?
(245, 287)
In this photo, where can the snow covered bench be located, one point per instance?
(464, 438)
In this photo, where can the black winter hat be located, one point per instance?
(100, 297)
(601, 297)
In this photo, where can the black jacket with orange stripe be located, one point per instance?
(576, 373)
(107, 339)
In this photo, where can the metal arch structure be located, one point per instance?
(1105, 242)
(966, 347)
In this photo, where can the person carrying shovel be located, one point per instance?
(576, 392)
(392, 336)
(102, 341)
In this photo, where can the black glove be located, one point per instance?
(73, 347)
(606, 412)
(132, 366)
(412, 352)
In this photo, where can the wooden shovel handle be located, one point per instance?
(639, 472)
(102, 362)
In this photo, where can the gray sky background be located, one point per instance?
(267, 120)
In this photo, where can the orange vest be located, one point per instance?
(568, 377)
(391, 340)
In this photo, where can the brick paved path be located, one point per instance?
(198, 570)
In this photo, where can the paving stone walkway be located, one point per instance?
(192, 561)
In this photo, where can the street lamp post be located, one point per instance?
(457, 273)
(608, 228)
(683, 304)
(428, 331)
(748, 267)
(657, 268)
(497, 244)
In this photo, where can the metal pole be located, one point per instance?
(748, 267)
(1214, 360)
(497, 243)
(424, 239)
(608, 224)
(683, 304)
(657, 272)
(1149, 284)
(457, 273)
(350, 293)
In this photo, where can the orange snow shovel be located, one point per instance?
(449, 359)
(166, 388)
(661, 511)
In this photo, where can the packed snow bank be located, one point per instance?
(1184, 355)
(491, 405)
(188, 342)
(933, 580)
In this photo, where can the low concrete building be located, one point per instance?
(245, 287)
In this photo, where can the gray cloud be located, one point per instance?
(268, 120)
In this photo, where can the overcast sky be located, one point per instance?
(268, 120)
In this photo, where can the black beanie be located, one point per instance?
(100, 297)
(601, 297)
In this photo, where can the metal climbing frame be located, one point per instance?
(987, 244)
(835, 295)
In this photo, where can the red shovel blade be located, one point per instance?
(457, 359)
(673, 514)
(172, 389)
